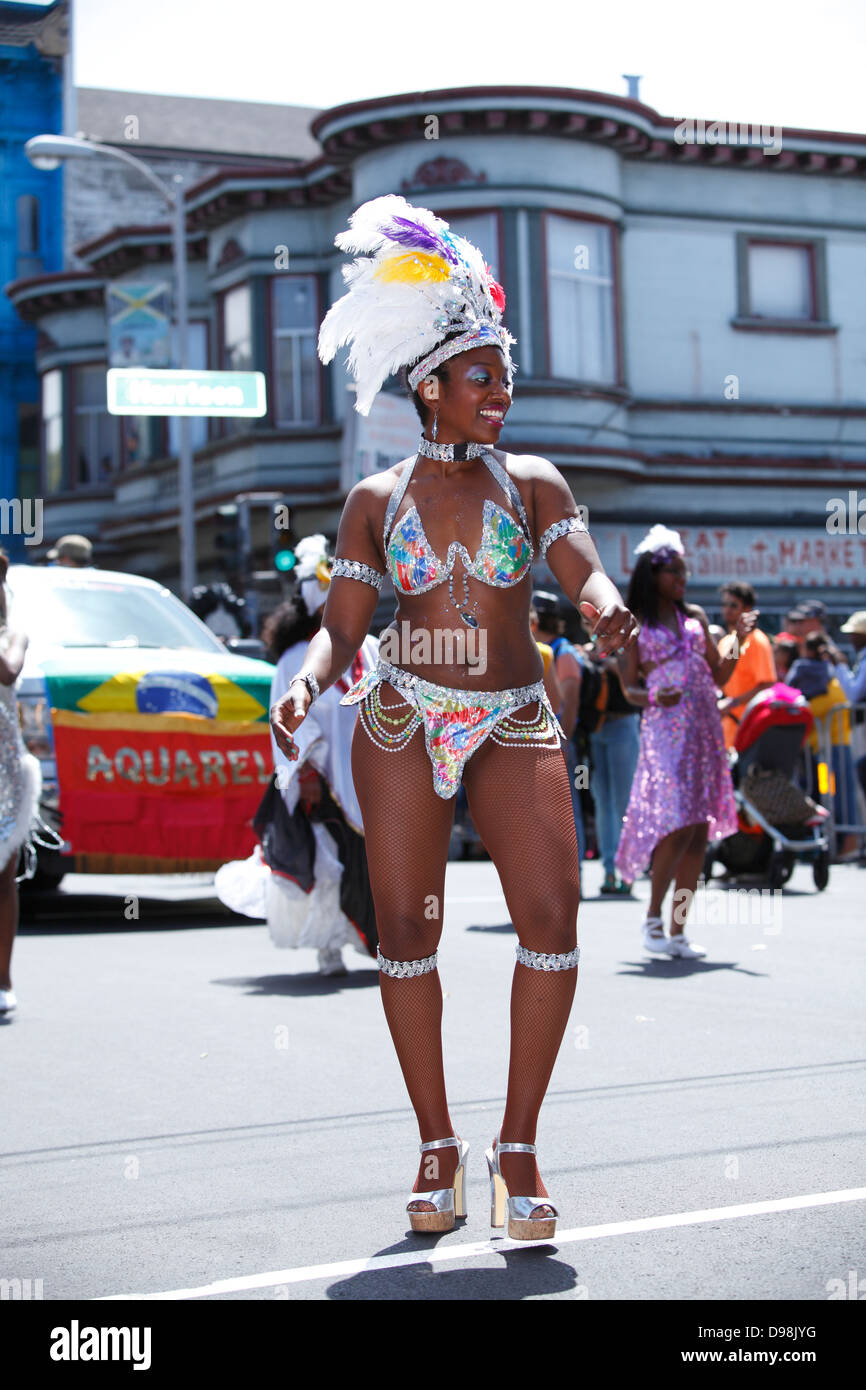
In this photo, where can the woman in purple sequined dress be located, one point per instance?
(682, 794)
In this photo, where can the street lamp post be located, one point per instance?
(47, 152)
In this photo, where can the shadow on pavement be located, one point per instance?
(661, 967)
(528, 1273)
(308, 983)
(45, 913)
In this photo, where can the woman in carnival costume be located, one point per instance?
(682, 794)
(457, 527)
(309, 877)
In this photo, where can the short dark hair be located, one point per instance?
(548, 613)
(813, 608)
(740, 590)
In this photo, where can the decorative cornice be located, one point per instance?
(633, 128)
(48, 32)
(126, 248)
(233, 191)
(62, 289)
(670, 466)
(630, 127)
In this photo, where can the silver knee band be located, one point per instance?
(538, 960)
(404, 969)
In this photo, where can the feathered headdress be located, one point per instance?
(414, 283)
(311, 571)
(662, 543)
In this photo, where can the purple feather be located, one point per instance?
(407, 233)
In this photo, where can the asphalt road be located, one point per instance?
(185, 1108)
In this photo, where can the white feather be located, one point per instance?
(309, 553)
(659, 537)
(390, 324)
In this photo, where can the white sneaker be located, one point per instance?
(331, 962)
(654, 938)
(686, 950)
(8, 1002)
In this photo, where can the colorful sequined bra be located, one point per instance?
(503, 558)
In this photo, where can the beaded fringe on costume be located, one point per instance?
(456, 722)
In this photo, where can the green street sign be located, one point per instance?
(153, 391)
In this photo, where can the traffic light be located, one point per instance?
(284, 555)
(229, 540)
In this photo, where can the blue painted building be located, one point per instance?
(33, 41)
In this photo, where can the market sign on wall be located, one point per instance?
(149, 391)
(779, 556)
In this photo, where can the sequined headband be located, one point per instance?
(466, 341)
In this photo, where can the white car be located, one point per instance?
(153, 738)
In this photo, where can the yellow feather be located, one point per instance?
(413, 266)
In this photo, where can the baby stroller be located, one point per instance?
(777, 825)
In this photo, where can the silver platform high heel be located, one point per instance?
(522, 1225)
(448, 1201)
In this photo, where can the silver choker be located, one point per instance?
(446, 451)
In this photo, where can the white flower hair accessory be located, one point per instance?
(415, 283)
(311, 571)
(662, 543)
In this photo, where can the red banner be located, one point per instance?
(174, 787)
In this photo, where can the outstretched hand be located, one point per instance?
(614, 628)
(287, 714)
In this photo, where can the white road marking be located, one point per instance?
(441, 1254)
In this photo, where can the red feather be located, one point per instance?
(497, 293)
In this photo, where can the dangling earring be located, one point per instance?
(435, 430)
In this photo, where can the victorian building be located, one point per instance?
(689, 304)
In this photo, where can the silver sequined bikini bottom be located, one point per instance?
(456, 722)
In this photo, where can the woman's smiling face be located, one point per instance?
(474, 397)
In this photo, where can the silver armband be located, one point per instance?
(354, 569)
(309, 681)
(560, 528)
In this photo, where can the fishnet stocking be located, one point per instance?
(407, 828)
(520, 802)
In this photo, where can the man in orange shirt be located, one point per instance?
(755, 669)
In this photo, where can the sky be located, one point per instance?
(778, 62)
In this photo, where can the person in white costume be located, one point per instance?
(20, 785)
(317, 789)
